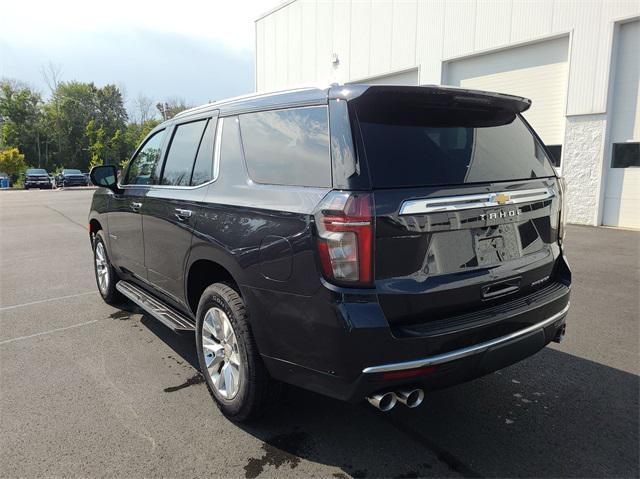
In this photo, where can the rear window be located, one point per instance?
(422, 145)
(288, 147)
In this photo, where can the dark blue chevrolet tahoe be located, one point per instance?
(363, 242)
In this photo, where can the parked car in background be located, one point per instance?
(87, 178)
(364, 242)
(37, 178)
(68, 177)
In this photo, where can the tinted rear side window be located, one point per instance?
(203, 168)
(421, 145)
(182, 153)
(288, 147)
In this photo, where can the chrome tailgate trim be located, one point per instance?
(468, 202)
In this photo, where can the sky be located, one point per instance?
(198, 51)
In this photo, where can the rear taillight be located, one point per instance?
(562, 216)
(345, 237)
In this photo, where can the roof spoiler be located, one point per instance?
(439, 94)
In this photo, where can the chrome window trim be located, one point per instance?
(467, 202)
(216, 166)
(216, 149)
(464, 352)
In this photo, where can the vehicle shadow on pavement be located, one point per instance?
(551, 415)
(182, 343)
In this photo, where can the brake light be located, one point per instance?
(345, 237)
(562, 215)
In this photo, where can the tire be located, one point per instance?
(107, 290)
(251, 389)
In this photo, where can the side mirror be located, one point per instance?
(105, 176)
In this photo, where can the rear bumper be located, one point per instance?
(342, 345)
(447, 369)
(556, 319)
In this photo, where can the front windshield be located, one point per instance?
(36, 171)
(73, 172)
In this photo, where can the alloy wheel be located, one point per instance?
(221, 355)
(102, 268)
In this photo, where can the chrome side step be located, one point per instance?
(163, 313)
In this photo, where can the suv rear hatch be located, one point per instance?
(466, 202)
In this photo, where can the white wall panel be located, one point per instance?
(403, 36)
(269, 53)
(584, 64)
(360, 38)
(260, 66)
(531, 19)
(324, 40)
(282, 46)
(381, 24)
(295, 44)
(342, 39)
(308, 41)
(406, 77)
(430, 40)
(626, 98)
(459, 27)
(612, 10)
(493, 24)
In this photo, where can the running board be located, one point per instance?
(163, 313)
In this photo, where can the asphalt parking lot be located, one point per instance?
(90, 390)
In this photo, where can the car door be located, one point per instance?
(125, 220)
(169, 213)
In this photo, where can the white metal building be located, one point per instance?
(578, 60)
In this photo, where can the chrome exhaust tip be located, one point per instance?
(383, 401)
(410, 397)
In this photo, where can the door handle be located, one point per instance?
(135, 206)
(183, 214)
(500, 288)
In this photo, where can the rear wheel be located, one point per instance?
(229, 359)
(106, 276)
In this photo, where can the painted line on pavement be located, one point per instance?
(7, 341)
(31, 303)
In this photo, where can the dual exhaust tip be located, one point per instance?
(386, 401)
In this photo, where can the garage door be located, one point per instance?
(538, 71)
(622, 190)
(407, 77)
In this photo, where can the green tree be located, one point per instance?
(12, 162)
(21, 120)
(89, 120)
(97, 147)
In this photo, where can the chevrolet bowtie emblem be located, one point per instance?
(501, 198)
